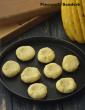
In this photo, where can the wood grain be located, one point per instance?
(16, 103)
(10, 31)
(13, 11)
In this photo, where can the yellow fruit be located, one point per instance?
(77, 26)
(66, 22)
(73, 18)
(83, 3)
(81, 17)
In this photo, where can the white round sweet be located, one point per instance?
(46, 55)
(25, 53)
(30, 75)
(70, 63)
(52, 70)
(11, 69)
(37, 91)
(66, 85)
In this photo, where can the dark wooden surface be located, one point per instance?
(8, 101)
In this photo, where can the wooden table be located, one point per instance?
(8, 101)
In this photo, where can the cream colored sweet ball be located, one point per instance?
(52, 70)
(30, 75)
(25, 53)
(46, 55)
(70, 63)
(66, 85)
(37, 91)
(11, 69)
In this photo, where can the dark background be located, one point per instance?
(50, 28)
